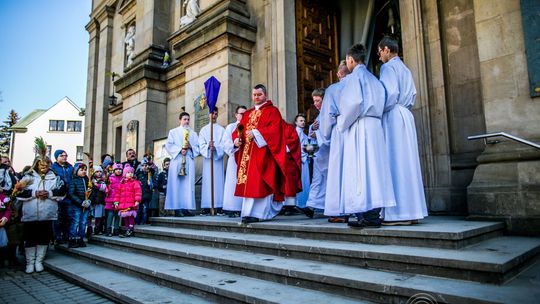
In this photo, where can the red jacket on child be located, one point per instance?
(128, 193)
(113, 188)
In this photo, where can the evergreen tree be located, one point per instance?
(5, 134)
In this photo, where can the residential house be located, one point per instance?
(61, 126)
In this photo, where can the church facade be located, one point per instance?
(473, 63)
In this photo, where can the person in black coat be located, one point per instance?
(162, 185)
(80, 206)
(147, 177)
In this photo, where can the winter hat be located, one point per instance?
(78, 166)
(57, 153)
(117, 166)
(107, 161)
(98, 168)
(128, 169)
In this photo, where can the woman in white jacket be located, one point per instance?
(40, 207)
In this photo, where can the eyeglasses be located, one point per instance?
(63, 155)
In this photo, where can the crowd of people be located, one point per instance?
(365, 164)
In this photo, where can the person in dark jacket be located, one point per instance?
(14, 230)
(162, 185)
(99, 190)
(80, 206)
(64, 170)
(147, 178)
(131, 159)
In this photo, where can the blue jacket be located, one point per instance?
(65, 173)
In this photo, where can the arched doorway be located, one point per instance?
(324, 31)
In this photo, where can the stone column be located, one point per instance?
(284, 89)
(506, 184)
(422, 53)
(93, 55)
(103, 82)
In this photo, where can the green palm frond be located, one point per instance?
(40, 147)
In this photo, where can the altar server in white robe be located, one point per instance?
(320, 159)
(333, 139)
(302, 197)
(183, 146)
(400, 135)
(231, 202)
(205, 147)
(366, 180)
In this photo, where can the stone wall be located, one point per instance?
(506, 184)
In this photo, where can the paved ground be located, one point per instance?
(19, 287)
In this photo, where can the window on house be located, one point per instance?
(80, 154)
(74, 126)
(56, 125)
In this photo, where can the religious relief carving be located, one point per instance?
(201, 112)
(192, 11)
(132, 134)
(129, 41)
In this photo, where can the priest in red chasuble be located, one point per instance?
(261, 158)
(293, 165)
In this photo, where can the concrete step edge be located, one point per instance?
(396, 231)
(388, 286)
(138, 289)
(448, 258)
(175, 273)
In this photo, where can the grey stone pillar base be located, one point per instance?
(506, 186)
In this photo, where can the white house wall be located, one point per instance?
(23, 153)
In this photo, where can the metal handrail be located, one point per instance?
(512, 137)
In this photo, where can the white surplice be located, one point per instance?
(366, 180)
(317, 188)
(181, 189)
(231, 202)
(219, 176)
(401, 143)
(333, 144)
(302, 197)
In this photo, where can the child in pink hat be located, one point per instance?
(127, 200)
(113, 220)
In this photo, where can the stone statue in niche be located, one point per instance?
(132, 135)
(192, 11)
(130, 45)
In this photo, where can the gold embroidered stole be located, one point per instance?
(253, 121)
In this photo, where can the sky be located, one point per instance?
(43, 53)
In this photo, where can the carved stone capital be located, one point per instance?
(104, 13)
(226, 18)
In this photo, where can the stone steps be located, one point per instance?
(297, 260)
(491, 261)
(117, 286)
(249, 277)
(216, 286)
(435, 232)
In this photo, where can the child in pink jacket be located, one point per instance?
(127, 200)
(111, 213)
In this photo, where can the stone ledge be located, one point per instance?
(215, 285)
(491, 261)
(119, 287)
(435, 231)
(352, 284)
